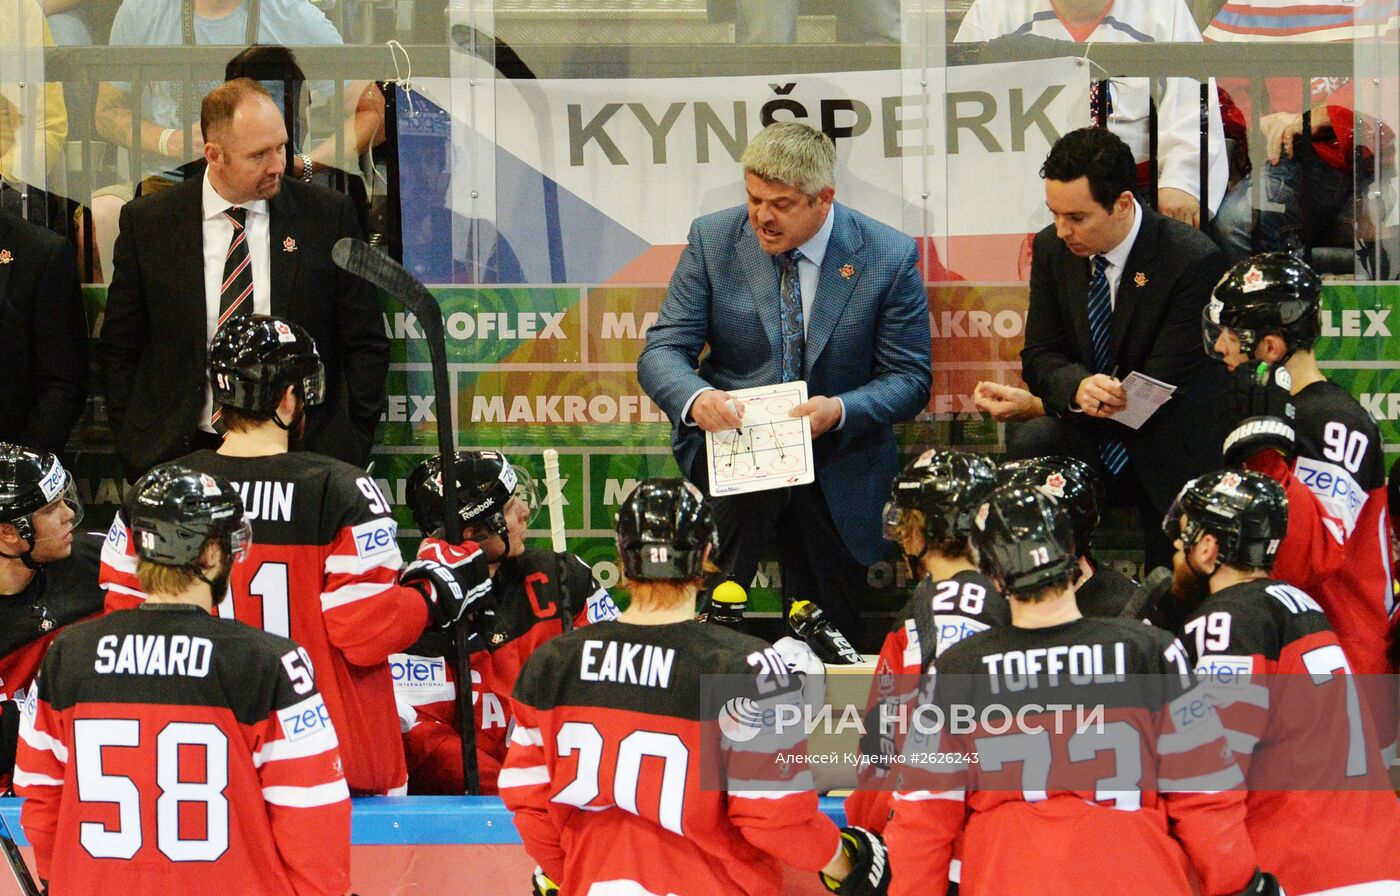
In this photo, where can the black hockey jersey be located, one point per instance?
(956, 608)
(165, 750)
(1154, 779)
(323, 570)
(526, 612)
(1294, 713)
(614, 773)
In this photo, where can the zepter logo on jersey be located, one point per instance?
(1054, 485)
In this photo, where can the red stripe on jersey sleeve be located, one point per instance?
(298, 761)
(1312, 548)
(368, 614)
(869, 805)
(117, 573)
(524, 787)
(788, 826)
(1205, 798)
(41, 762)
(930, 809)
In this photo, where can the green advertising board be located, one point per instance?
(534, 368)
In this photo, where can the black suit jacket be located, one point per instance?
(43, 336)
(153, 347)
(1167, 280)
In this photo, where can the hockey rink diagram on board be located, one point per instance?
(771, 450)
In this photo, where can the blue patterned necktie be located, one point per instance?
(1114, 454)
(790, 291)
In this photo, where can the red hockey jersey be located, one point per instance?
(615, 775)
(1337, 548)
(1065, 808)
(1294, 717)
(957, 607)
(164, 750)
(526, 613)
(323, 570)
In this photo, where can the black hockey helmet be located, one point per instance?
(29, 482)
(1275, 292)
(173, 510)
(1247, 512)
(1069, 480)
(1024, 539)
(947, 487)
(486, 481)
(663, 527)
(255, 357)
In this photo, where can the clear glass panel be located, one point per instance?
(1377, 120)
(33, 119)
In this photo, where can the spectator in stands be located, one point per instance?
(1306, 197)
(163, 109)
(70, 21)
(775, 21)
(1125, 109)
(33, 124)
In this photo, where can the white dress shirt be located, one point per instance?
(218, 233)
(1118, 257)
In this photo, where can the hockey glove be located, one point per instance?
(454, 579)
(1263, 884)
(1256, 409)
(870, 865)
(541, 885)
(877, 745)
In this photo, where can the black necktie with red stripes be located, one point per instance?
(236, 293)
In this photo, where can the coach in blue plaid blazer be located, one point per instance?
(865, 357)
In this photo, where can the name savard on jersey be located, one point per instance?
(138, 654)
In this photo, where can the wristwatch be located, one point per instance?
(307, 170)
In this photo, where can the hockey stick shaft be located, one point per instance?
(23, 878)
(554, 503)
(363, 260)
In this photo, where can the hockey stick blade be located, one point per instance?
(363, 260)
